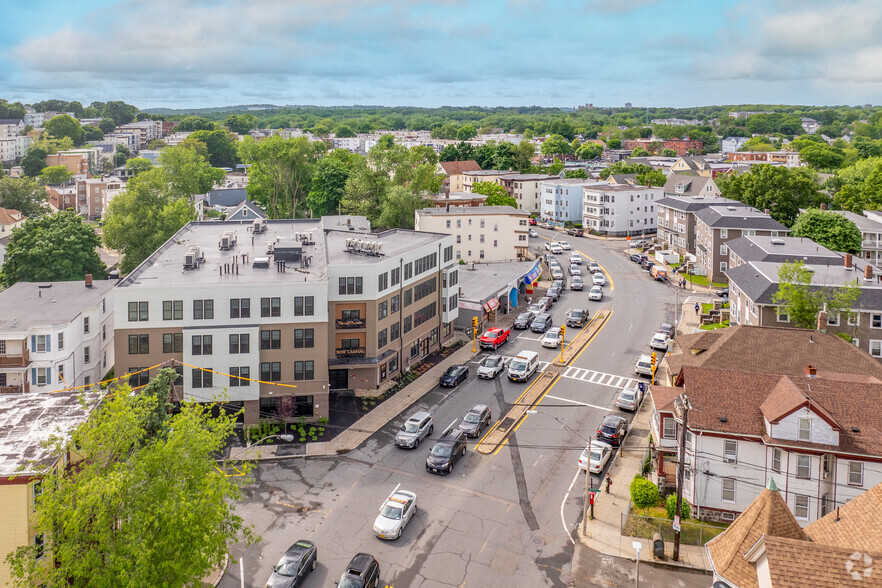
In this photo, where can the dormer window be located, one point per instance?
(805, 429)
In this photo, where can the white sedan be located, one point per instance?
(600, 453)
(596, 293)
(396, 512)
(564, 245)
(659, 342)
(551, 338)
(599, 279)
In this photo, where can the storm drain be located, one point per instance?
(537, 541)
(505, 424)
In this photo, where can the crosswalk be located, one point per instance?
(506, 359)
(600, 378)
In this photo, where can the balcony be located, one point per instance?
(871, 245)
(18, 389)
(350, 352)
(352, 323)
(21, 360)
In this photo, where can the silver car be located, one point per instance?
(643, 367)
(577, 283)
(596, 294)
(415, 429)
(396, 512)
(629, 399)
(490, 366)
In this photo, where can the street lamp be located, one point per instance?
(637, 547)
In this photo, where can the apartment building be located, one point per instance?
(248, 311)
(525, 189)
(55, 335)
(785, 158)
(620, 210)
(10, 127)
(471, 177)
(144, 131)
(561, 198)
(676, 218)
(715, 226)
(483, 233)
(453, 173)
(870, 226)
(93, 196)
(76, 163)
(781, 250)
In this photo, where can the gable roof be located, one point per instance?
(691, 185)
(452, 168)
(239, 212)
(855, 525)
(783, 249)
(9, 216)
(795, 564)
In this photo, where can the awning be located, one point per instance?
(491, 304)
(533, 274)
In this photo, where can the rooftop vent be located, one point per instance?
(227, 241)
(364, 247)
(777, 242)
(261, 263)
(724, 420)
(288, 249)
(855, 430)
(731, 208)
(193, 258)
(259, 226)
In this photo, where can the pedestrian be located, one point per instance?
(697, 307)
(529, 300)
(608, 482)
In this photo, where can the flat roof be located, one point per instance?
(468, 210)
(395, 242)
(458, 196)
(764, 248)
(26, 305)
(620, 188)
(487, 279)
(486, 172)
(862, 222)
(527, 177)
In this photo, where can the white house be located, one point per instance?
(560, 199)
(483, 233)
(732, 144)
(620, 209)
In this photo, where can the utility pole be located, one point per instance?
(682, 407)
(587, 492)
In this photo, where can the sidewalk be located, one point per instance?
(603, 534)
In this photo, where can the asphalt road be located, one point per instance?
(504, 519)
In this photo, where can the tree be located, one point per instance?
(644, 494)
(829, 229)
(614, 144)
(194, 123)
(621, 167)
(91, 133)
(555, 145)
(466, 132)
(120, 112)
(669, 153)
(33, 161)
(24, 195)
(56, 174)
(640, 152)
(64, 125)
(445, 131)
(145, 505)
(52, 248)
(575, 173)
(240, 123)
(822, 157)
(107, 125)
(802, 301)
(221, 146)
(187, 172)
(671, 507)
(397, 207)
(781, 190)
(121, 155)
(329, 176)
(651, 178)
(344, 131)
(524, 155)
(589, 151)
(137, 165)
(364, 188)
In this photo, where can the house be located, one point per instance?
(811, 433)
(229, 304)
(676, 217)
(483, 233)
(732, 144)
(10, 219)
(525, 189)
(870, 226)
(11, 127)
(780, 249)
(691, 165)
(453, 173)
(92, 196)
(458, 199)
(27, 422)
(620, 210)
(752, 287)
(246, 211)
(810, 125)
(55, 335)
(686, 185)
(469, 178)
(715, 226)
(561, 198)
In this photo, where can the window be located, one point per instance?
(408, 270)
(350, 344)
(138, 376)
(350, 314)
(382, 310)
(393, 364)
(304, 338)
(271, 339)
(825, 504)
(876, 347)
(728, 490)
(38, 547)
(833, 319)
(482, 239)
(855, 473)
(723, 266)
(482, 223)
(854, 319)
(669, 428)
(424, 314)
(804, 466)
(382, 281)
(395, 303)
(203, 309)
(87, 358)
(104, 332)
(201, 378)
(60, 343)
(776, 460)
(875, 321)
(172, 342)
(395, 274)
(782, 316)
(201, 345)
(408, 322)
(724, 250)
(408, 298)
(415, 349)
(239, 343)
(139, 344)
(85, 324)
(40, 342)
(38, 491)
(394, 331)
(801, 506)
(351, 286)
(172, 310)
(730, 451)
(60, 370)
(805, 429)
(138, 311)
(271, 306)
(424, 289)
(304, 370)
(304, 305)
(238, 375)
(240, 308)
(271, 371)
(179, 378)
(382, 339)
(447, 224)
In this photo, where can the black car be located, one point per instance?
(524, 319)
(362, 572)
(446, 452)
(541, 323)
(647, 263)
(454, 375)
(300, 559)
(475, 420)
(638, 257)
(613, 430)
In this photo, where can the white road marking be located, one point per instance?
(566, 497)
(530, 338)
(579, 403)
(600, 378)
(535, 463)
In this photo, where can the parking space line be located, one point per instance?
(579, 403)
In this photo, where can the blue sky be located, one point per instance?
(191, 53)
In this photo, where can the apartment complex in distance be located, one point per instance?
(246, 311)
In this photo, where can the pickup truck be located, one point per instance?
(493, 338)
(575, 232)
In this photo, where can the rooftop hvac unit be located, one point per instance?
(259, 226)
(310, 237)
(191, 259)
(261, 263)
(349, 243)
(380, 248)
(297, 236)
(777, 242)
(227, 241)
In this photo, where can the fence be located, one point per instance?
(634, 525)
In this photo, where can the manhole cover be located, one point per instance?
(537, 541)
(505, 424)
(567, 578)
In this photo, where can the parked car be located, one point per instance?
(524, 319)
(490, 366)
(541, 323)
(551, 338)
(593, 267)
(599, 279)
(454, 375)
(536, 309)
(577, 317)
(557, 274)
(596, 294)
(659, 341)
(600, 454)
(667, 329)
(638, 257)
(575, 232)
(296, 563)
(493, 338)
(362, 572)
(643, 367)
(552, 263)
(449, 449)
(475, 420)
(558, 284)
(419, 426)
(395, 512)
(576, 259)
(575, 270)
(613, 429)
(533, 233)
(723, 292)
(564, 245)
(547, 301)
(647, 263)
(630, 398)
(577, 283)
(554, 293)
(533, 222)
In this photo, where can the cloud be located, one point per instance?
(617, 6)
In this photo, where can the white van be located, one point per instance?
(523, 366)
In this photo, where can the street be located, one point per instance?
(502, 519)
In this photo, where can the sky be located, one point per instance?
(201, 53)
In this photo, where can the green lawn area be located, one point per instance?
(713, 326)
(706, 308)
(692, 533)
(703, 281)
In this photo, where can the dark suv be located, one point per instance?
(446, 452)
(362, 572)
(613, 430)
(577, 317)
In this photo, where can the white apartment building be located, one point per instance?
(525, 189)
(561, 198)
(482, 233)
(55, 335)
(34, 119)
(620, 210)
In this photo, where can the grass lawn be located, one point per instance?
(691, 533)
(706, 308)
(713, 326)
(703, 281)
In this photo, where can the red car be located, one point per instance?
(533, 221)
(493, 338)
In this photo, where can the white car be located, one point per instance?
(564, 245)
(490, 366)
(599, 279)
(659, 342)
(533, 233)
(556, 248)
(643, 366)
(600, 453)
(629, 399)
(596, 294)
(395, 513)
(594, 267)
(557, 274)
(576, 259)
(551, 338)
(575, 270)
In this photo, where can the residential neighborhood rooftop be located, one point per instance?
(687, 203)
(469, 210)
(26, 305)
(863, 223)
(782, 250)
(742, 217)
(458, 167)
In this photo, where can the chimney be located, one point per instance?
(822, 321)
(848, 263)
(810, 371)
(88, 280)
(766, 211)
(823, 206)
(868, 272)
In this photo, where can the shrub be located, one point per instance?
(671, 507)
(644, 494)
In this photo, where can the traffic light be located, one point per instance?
(654, 358)
(563, 331)
(475, 322)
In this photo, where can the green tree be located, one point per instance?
(829, 229)
(644, 494)
(107, 125)
(52, 248)
(651, 178)
(640, 152)
(575, 173)
(24, 195)
(64, 125)
(781, 190)
(56, 174)
(555, 145)
(145, 504)
(397, 207)
(802, 301)
(671, 507)
(445, 131)
(187, 173)
(822, 157)
(121, 155)
(240, 123)
(669, 153)
(137, 165)
(496, 194)
(194, 123)
(364, 188)
(614, 143)
(344, 131)
(329, 176)
(91, 133)
(524, 155)
(466, 132)
(34, 161)
(120, 112)
(621, 167)
(589, 151)
(221, 146)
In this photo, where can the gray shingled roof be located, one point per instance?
(693, 203)
(783, 249)
(738, 217)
